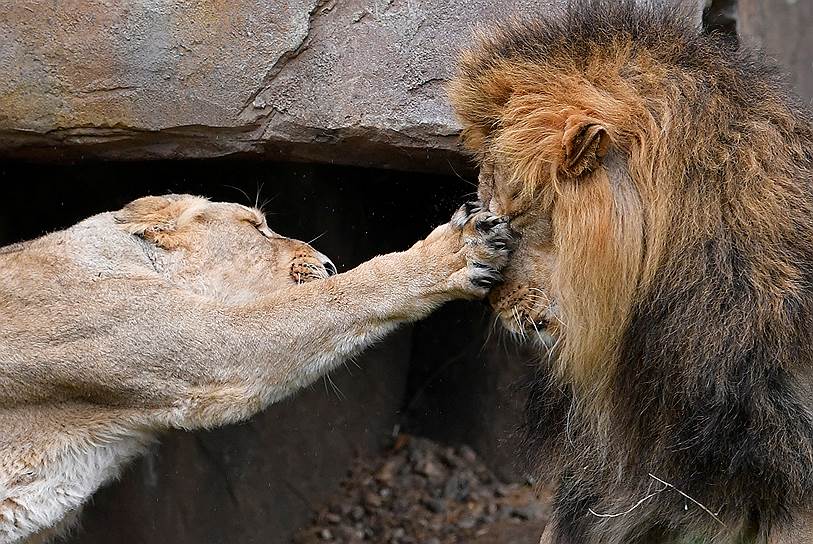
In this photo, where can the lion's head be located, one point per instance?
(660, 182)
(626, 161)
(221, 250)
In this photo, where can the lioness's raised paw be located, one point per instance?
(487, 245)
(470, 251)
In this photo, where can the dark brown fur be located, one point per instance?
(682, 251)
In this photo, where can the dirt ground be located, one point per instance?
(423, 493)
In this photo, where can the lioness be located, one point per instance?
(176, 312)
(661, 184)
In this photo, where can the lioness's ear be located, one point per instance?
(585, 142)
(160, 219)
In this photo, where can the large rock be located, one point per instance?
(353, 82)
(357, 81)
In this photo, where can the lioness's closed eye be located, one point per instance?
(180, 312)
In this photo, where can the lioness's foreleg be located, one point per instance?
(287, 340)
(199, 362)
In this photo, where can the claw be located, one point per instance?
(487, 281)
(472, 207)
(485, 225)
(503, 242)
(464, 212)
(490, 278)
(488, 224)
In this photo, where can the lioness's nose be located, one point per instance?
(327, 263)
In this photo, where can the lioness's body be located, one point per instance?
(661, 181)
(180, 313)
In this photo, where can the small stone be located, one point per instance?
(402, 505)
(530, 511)
(357, 513)
(325, 534)
(434, 505)
(468, 454)
(503, 490)
(431, 469)
(386, 474)
(333, 518)
(371, 499)
(450, 458)
(468, 522)
(349, 533)
(456, 488)
(505, 512)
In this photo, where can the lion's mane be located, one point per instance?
(683, 399)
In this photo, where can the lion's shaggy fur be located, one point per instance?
(683, 267)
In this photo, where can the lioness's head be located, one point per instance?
(645, 172)
(222, 250)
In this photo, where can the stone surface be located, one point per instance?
(466, 385)
(783, 29)
(357, 81)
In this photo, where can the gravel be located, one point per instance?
(421, 492)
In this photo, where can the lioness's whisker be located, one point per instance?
(312, 241)
(521, 330)
(260, 186)
(336, 390)
(491, 330)
(538, 334)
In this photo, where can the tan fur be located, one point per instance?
(176, 312)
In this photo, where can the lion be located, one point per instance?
(660, 182)
(178, 312)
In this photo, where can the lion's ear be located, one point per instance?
(161, 220)
(585, 142)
